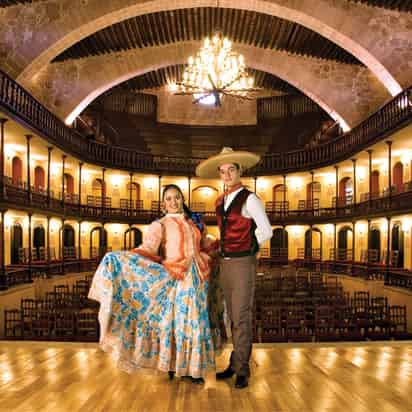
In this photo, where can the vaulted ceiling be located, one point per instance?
(403, 5)
(349, 56)
(256, 29)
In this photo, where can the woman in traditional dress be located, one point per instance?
(153, 299)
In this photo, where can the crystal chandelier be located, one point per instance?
(215, 71)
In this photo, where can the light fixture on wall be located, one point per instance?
(214, 72)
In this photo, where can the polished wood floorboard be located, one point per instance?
(343, 377)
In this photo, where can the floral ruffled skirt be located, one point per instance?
(151, 320)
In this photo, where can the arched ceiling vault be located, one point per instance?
(347, 92)
(37, 32)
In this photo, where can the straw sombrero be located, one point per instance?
(209, 168)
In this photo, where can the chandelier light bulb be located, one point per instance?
(216, 70)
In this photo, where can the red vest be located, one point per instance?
(237, 233)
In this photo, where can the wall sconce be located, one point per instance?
(149, 183)
(116, 230)
(54, 226)
(329, 230)
(116, 180)
(261, 185)
(84, 228)
(361, 174)
(8, 221)
(54, 169)
(361, 228)
(406, 225)
(295, 231)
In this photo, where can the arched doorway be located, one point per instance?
(68, 184)
(39, 179)
(39, 242)
(315, 192)
(132, 238)
(375, 245)
(278, 195)
(98, 192)
(68, 236)
(313, 244)
(344, 243)
(375, 184)
(16, 171)
(203, 198)
(279, 244)
(397, 252)
(345, 191)
(133, 189)
(16, 234)
(98, 242)
(398, 177)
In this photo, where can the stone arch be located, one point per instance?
(349, 25)
(347, 92)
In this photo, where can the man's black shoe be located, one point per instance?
(226, 374)
(241, 382)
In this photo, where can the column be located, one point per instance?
(354, 181)
(79, 244)
(389, 143)
(368, 240)
(283, 208)
(3, 279)
(370, 174)
(30, 254)
(103, 191)
(189, 190)
(28, 137)
(311, 191)
(2, 123)
(130, 236)
(159, 194)
(49, 150)
(48, 240)
(80, 184)
(311, 243)
(63, 172)
(336, 187)
(334, 243)
(130, 208)
(61, 241)
(254, 187)
(353, 243)
(388, 242)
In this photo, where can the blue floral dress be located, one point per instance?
(150, 318)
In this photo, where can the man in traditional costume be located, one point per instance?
(244, 226)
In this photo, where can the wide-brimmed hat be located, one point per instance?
(209, 168)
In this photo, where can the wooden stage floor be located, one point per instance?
(347, 377)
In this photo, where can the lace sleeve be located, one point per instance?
(151, 242)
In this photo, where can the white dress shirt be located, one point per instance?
(253, 209)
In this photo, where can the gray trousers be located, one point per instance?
(237, 277)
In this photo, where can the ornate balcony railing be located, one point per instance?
(19, 197)
(17, 102)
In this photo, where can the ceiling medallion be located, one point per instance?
(214, 72)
